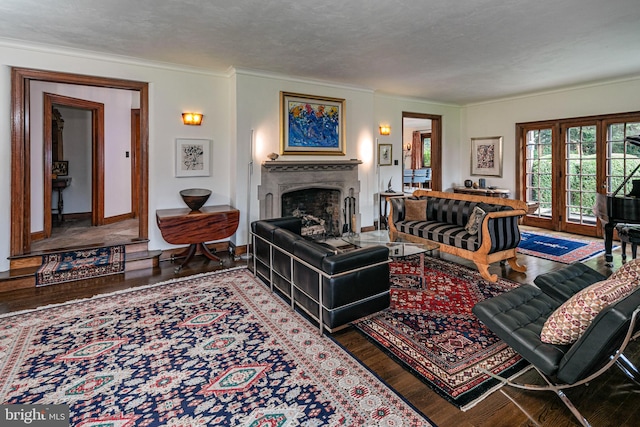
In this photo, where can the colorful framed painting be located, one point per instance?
(311, 125)
(486, 156)
(193, 157)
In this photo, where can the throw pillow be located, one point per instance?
(567, 324)
(415, 210)
(475, 219)
(628, 271)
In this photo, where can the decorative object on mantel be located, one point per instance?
(272, 156)
(195, 198)
(311, 125)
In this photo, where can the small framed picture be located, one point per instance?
(193, 157)
(486, 156)
(60, 168)
(385, 157)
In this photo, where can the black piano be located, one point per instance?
(619, 208)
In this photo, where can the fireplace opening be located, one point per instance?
(319, 209)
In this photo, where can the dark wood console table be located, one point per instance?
(195, 228)
(493, 192)
(60, 184)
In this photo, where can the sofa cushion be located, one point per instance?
(475, 220)
(567, 324)
(415, 210)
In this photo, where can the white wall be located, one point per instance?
(172, 90)
(388, 109)
(76, 136)
(258, 109)
(117, 141)
(498, 118)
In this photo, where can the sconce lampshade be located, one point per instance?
(385, 129)
(192, 119)
(408, 146)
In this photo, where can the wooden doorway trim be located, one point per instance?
(21, 148)
(436, 145)
(97, 155)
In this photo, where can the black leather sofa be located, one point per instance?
(325, 283)
(518, 317)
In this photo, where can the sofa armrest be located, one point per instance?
(500, 230)
(362, 257)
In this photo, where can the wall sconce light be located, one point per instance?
(192, 119)
(385, 129)
(408, 147)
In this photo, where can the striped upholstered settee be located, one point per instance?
(492, 235)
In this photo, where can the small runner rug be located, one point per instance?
(217, 349)
(431, 330)
(81, 264)
(563, 250)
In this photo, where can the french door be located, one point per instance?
(566, 163)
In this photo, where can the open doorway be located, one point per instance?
(421, 151)
(22, 168)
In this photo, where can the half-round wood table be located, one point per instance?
(195, 228)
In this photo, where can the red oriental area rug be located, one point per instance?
(431, 330)
(216, 349)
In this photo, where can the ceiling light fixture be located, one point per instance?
(192, 119)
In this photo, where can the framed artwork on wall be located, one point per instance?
(311, 125)
(193, 157)
(385, 154)
(486, 156)
(60, 168)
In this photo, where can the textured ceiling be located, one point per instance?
(448, 51)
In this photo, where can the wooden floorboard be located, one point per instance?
(610, 400)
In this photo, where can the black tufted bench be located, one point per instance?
(564, 283)
(628, 234)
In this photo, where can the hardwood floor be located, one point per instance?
(610, 400)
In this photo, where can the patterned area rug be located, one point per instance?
(431, 330)
(563, 250)
(83, 264)
(209, 350)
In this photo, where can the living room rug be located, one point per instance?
(431, 330)
(560, 249)
(212, 349)
(81, 264)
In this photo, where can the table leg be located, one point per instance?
(206, 252)
(422, 270)
(191, 251)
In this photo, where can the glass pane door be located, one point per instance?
(580, 181)
(538, 175)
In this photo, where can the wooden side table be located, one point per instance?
(195, 228)
(488, 192)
